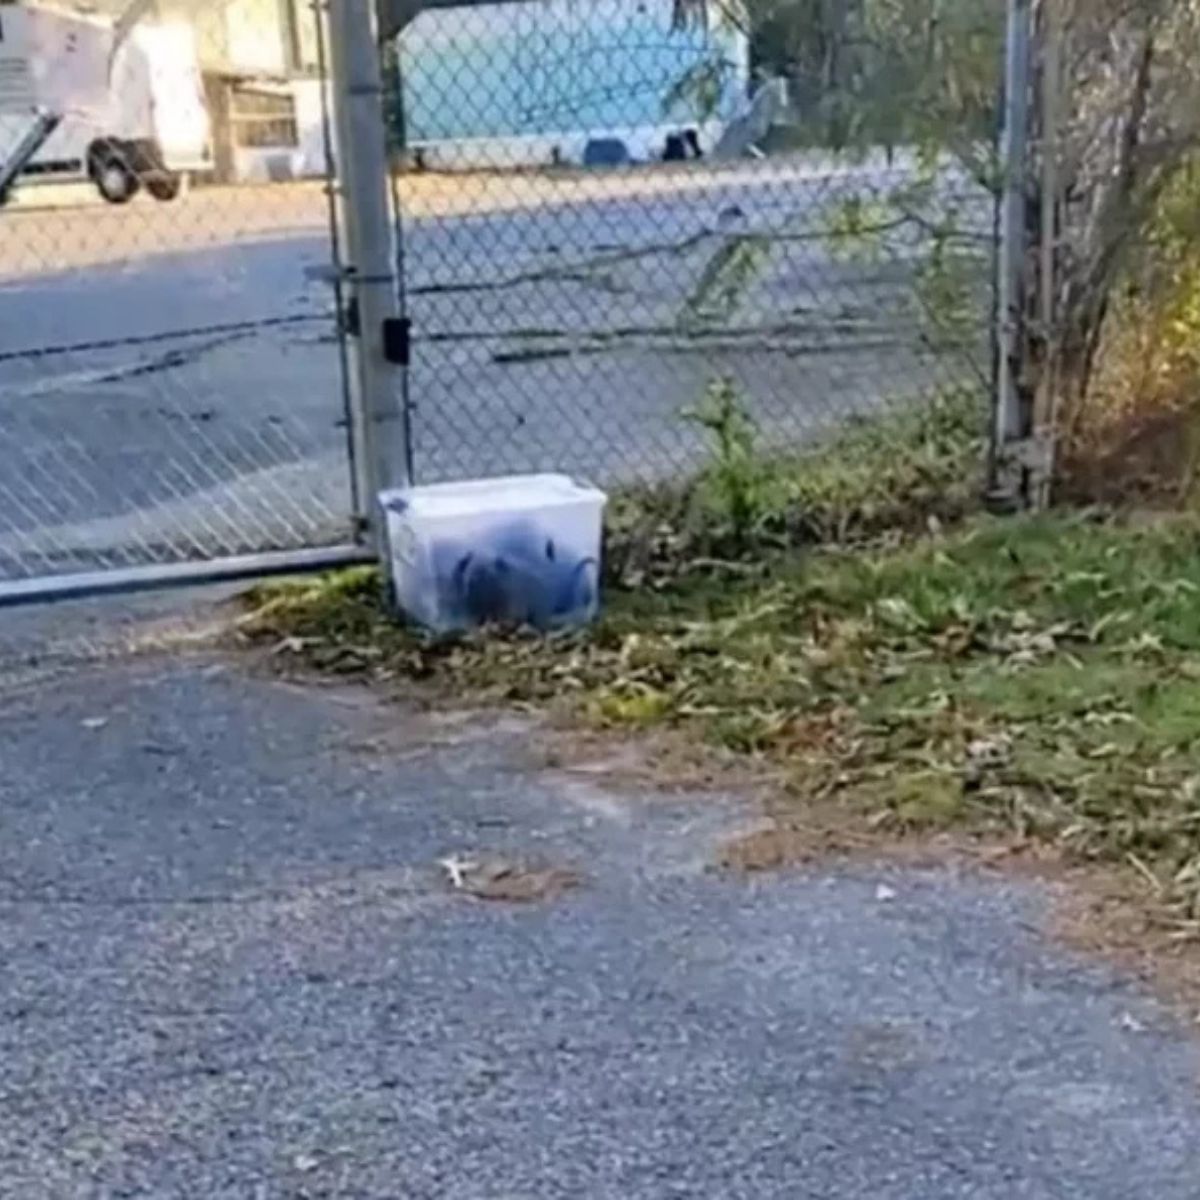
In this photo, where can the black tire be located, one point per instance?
(111, 172)
(165, 187)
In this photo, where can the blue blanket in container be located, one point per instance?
(520, 577)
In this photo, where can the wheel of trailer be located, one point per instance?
(164, 187)
(114, 178)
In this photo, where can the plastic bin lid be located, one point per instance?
(508, 493)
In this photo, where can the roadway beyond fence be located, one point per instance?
(74, 228)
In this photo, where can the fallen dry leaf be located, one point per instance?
(503, 880)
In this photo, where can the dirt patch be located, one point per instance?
(1019, 695)
(1143, 458)
(505, 881)
(1105, 912)
(776, 846)
(663, 761)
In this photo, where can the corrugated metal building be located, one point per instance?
(528, 83)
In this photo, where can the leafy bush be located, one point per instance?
(1134, 436)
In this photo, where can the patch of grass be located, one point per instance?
(1109, 577)
(896, 470)
(894, 473)
(1036, 679)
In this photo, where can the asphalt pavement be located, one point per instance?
(232, 968)
(171, 383)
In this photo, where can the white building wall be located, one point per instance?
(304, 161)
(254, 37)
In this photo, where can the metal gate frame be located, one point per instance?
(228, 568)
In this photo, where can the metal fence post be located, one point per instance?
(378, 330)
(1049, 31)
(1011, 418)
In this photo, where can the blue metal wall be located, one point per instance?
(556, 66)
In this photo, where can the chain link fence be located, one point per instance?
(170, 380)
(606, 207)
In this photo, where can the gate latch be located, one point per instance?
(397, 340)
(396, 331)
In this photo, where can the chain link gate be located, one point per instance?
(172, 382)
(608, 222)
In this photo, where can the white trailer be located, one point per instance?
(83, 97)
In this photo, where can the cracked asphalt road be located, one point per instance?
(230, 968)
(560, 323)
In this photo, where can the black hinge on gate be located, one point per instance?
(397, 340)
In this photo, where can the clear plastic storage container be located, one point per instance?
(520, 550)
